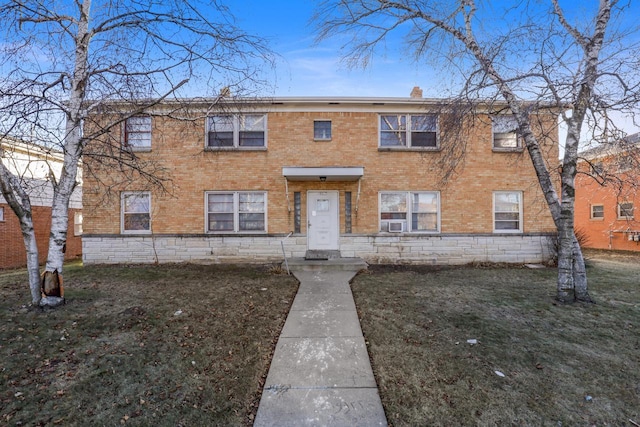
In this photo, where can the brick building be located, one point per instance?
(605, 214)
(34, 164)
(362, 176)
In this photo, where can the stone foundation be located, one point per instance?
(440, 249)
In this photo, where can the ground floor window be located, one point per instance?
(136, 212)
(507, 211)
(236, 211)
(409, 211)
(77, 224)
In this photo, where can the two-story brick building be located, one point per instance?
(607, 196)
(362, 176)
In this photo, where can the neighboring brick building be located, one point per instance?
(34, 164)
(360, 175)
(606, 214)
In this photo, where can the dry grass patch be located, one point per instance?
(141, 345)
(563, 365)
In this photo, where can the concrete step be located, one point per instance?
(321, 255)
(333, 264)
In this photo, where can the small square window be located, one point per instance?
(322, 130)
(625, 210)
(137, 133)
(505, 133)
(597, 211)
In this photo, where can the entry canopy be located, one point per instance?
(322, 174)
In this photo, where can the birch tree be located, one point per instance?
(580, 61)
(61, 60)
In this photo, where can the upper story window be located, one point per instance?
(505, 133)
(625, 210)
(236, 131)
(409, 211)
(136, 212)
(322, 130)
(409, 131)
(137, 133)
(1, 214)
(236, 211)
(507, 211)
(597, 211)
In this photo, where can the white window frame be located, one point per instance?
(237, 121)
(324, 137)
(592, 212)
(124, 194)
(408, 132)
(77, 223)
(126, 140)
(1, 213)
(520, 212)
(619, 209)
(506, 135)
(408, 220)
(236, 212)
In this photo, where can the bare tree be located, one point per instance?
(63, 59)
(535, 56)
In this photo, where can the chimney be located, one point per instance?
(416, 92)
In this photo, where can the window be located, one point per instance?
(507, 211)
(406, 130)
(239, 211)
(2, 214)
(409, 211)
(625, 210)
(236, 131)
(77, 224)
(597, 211)
(505, 135)
(625, 162)
(322, 130)
(597, 168)
(137, 133)
(136, 212)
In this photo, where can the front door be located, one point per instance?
(322, 220)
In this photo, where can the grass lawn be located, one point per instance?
(176, 345)
(189, 345)
(562, 365)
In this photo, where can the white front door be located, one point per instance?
(322, 220)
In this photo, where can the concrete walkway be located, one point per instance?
(320, 374)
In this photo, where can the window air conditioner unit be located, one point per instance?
(396, 226)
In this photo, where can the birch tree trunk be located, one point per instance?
(19, 201)
(63, 189)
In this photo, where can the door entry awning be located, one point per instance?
(322, 174)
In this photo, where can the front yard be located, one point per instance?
(191, 345)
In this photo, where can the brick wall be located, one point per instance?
(609, 232)
(178, 146)
(12, 252)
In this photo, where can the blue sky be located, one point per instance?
(307, 69)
